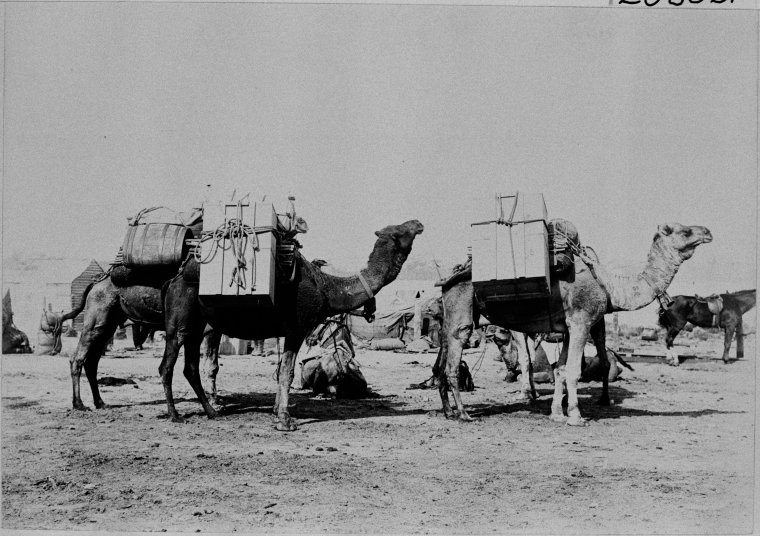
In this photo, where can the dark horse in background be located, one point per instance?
(696, 310)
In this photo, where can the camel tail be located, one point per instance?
(620, 359)
(79, 308)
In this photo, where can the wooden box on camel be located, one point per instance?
(238, 250)
(510, 254)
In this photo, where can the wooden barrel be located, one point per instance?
(153, 244)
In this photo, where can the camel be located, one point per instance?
(301, 305)
(692, 309)
(14, 340)
(577, 305)
(329, 368)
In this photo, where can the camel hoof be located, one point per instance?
(177, 419)
(81, 407)
(285, 426)
(213, 414)
(521, 397)
(577, 421)
(558, 418)
(464, 416)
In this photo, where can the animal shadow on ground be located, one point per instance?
(314, 409)
(592, 411)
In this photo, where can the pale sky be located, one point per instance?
(374, 114)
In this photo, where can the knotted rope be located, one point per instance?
(235, 236)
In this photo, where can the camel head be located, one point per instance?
(682, 239)
(393, 245)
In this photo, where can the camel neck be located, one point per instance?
(744, 299)
(628, 293)
(349, 293)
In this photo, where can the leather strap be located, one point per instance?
(366, 286)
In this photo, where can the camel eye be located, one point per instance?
(687, 232)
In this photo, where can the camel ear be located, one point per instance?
(664, 229)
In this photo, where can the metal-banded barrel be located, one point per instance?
(153, 244)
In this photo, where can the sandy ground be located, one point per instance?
(673, 454)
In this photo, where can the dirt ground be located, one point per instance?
(673, 454)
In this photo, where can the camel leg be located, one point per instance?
(527, 386)
(739, 339)
(101, 316)
(673, 331)
(191, 371)
(455, 343)
(559, 384)
(166, 370)
(89, 350)
(728, 337)
(579, 333)
(598, 333)
(213, 338)
(439, 369)
(286, 372)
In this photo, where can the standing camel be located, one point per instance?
(301, 305)
(577, 306)
(685, 309)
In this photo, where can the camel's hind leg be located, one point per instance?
(166, 370)
(739, 339)
(455, 346)
(730, 328)
(101, 316)
(527, 386)
(599, 334)
(140, 334)
(439, 370)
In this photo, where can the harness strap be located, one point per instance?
(366, 286)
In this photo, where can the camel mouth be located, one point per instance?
(417, 226)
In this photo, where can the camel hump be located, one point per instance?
(461, 272)
(563, 242)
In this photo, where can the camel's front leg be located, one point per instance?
(670, 354)
(192, 373)
(599, 334)
(559, 384)
(211, 358)
(285, 374)
(739, 339)
(578, 336)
